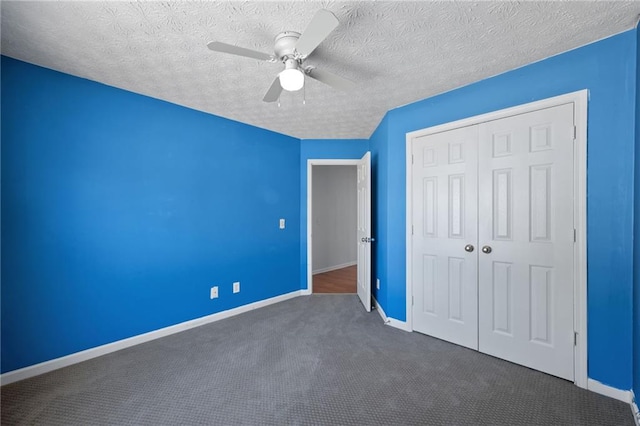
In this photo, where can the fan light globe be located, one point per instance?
(291, 79)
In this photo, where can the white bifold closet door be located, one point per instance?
(526, 281)
(505, 189)
(445, 191)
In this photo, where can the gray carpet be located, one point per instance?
(317, 360)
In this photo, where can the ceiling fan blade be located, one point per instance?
(240, 51)
(274, 91)
(319, 28)
(331, 79)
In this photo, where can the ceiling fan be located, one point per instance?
(292, 49)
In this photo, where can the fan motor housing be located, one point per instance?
(285, 44)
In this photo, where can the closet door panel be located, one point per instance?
(526, 237)
(444, 200)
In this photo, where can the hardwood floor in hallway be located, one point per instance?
(338, 281)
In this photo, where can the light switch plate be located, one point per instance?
(281, 223)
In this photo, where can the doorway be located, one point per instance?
(496, 244)
(362, 236)
(334, 214)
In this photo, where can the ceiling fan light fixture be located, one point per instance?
(291, 79)
(292, 49)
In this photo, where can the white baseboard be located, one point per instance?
(634, 409)
(54, 364)
(402, 325)
(611, 392)
(333, 268)
(305, 292)
(380, 311)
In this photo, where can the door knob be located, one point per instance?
(468, 248)
(486, 249)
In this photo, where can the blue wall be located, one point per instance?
(321, 149)
(636, 251)
(380, 174)
(607, 69)
(119, 212)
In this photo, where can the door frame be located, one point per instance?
(310, 164)
(580, 101)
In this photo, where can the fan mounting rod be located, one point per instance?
(285, 45)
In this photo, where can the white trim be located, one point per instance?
(310, 164)
(335, 267)
(409, 231)
(383, 315)
(580, 100)
(611, 392)
(634, 408)
(401, 325)
(578, 96)
(54, 364)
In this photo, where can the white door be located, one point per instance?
(364, 231)
(504, 187)
(526, 222)
(444, 236)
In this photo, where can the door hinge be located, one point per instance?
(411, 229)
(575, 235)
(575, 338)
(575, 132)
(412, 301)
(411, 158)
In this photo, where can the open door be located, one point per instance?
(364, 231)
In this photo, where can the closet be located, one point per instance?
(492, 238)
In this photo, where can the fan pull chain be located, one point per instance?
(304, 94)
(278, 101)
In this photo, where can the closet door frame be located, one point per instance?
(579, 100)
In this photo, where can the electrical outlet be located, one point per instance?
(281, 223)
(378, 283)
(214, 292)
(236, 287)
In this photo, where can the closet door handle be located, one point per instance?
(468, 248)
(486, 249)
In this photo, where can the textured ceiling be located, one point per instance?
(397, 52)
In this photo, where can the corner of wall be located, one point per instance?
(378, 145)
